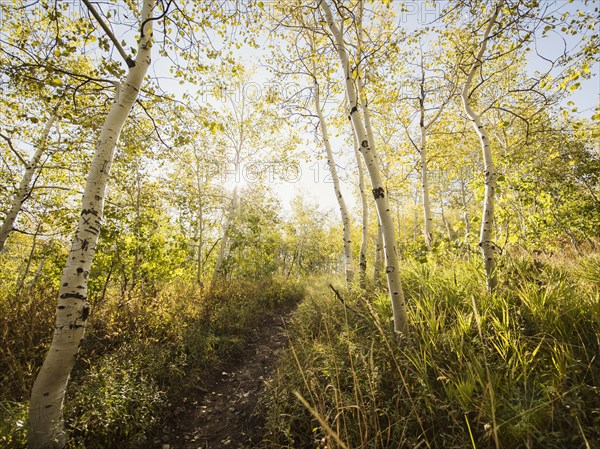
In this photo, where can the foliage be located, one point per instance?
(517, 369)
(519, 366)
(138, 358)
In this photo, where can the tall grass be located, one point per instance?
(516, 369)
(139, 357)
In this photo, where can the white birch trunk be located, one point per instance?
(200, 243)
(449, 229)
(465, 212)
(224, 240)
(379, 193)
(25, 185)
(427, 215)
(46, 426)
(378, 265)
(488, 247)
(371, 138)
(424, 128)
(336, 186)
(362, 261)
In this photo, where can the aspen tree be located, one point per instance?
(369, 129)
(362, 261)
(335, 179)
(46, 423)
(488, 247)
(25, 185)
(370, 157)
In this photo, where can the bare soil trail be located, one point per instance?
(221, 413)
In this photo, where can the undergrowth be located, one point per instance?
(517, 369)
(137, 357)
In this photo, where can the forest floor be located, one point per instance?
(221, 413)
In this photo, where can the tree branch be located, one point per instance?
(130, 62)
(12, 148)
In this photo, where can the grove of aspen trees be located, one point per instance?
(295, 224)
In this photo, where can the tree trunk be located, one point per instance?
(199, 267)
(336, 186)
(365, 217)
(21, 281)
(488, 247)
(416, 216)
(224, 240)
(38, 274)
(379, 193)
(298, 260)
(25, 185)
(449, 229)
(200, 220)
(378, 265)
(466, 219)
(46, 424)
(427, 216)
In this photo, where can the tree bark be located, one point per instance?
(336, 186)
(380, 195)
(224, 240)
(427, 216)
(488, 247)
(362, 261)
(378, 264)
(25, 185)
(369, 129)
(46, 423)
(449, 229)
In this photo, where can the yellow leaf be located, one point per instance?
(586, 67)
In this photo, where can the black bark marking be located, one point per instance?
(85, 313)
(364, 143)
(89, 211)
(378, 193)
(61, 307)
(80, 270)
(389, 269)
(72, 295)
(353, 110)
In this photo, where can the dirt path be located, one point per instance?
(222, 413)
